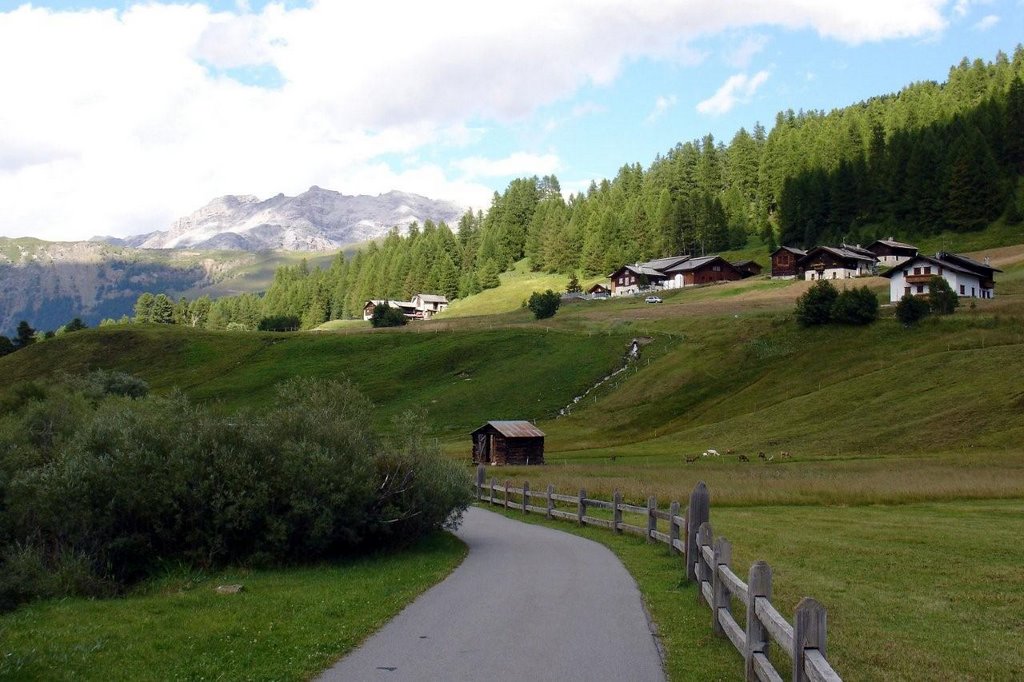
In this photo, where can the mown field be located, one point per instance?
(898, 506)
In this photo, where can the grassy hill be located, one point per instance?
(904, 443)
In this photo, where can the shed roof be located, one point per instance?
(514, 429)
(943, 260)
(696, 263)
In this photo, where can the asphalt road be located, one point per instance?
(528, 603)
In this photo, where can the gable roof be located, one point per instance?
(844, 253)
(945, 260)
(966, 262)
(792, 249)
(697, 263)
(513, 429)
(640, 269)
(431, 298)
(665, 263)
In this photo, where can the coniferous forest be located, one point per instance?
(932, 157)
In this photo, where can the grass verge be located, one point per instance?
(288, 624)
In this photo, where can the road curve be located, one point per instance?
(527, 603)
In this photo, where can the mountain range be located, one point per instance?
(231, 245)
(316, 220)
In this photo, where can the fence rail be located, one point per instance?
(707, 561)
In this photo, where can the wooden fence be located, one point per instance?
(707, 562)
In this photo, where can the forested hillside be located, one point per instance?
(929, 158)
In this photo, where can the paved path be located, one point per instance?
(528, 603)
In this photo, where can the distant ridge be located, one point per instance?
(316, 220)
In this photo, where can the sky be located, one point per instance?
(117, 117)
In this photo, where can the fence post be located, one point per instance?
(719, 590)
(705, 537)
(508, 483)
(492, 490)
(673, 527)
(697, 514)
(652, 520)
(808, 633)
(526, 495)
(759, 584)
(480, 481)
(617, 512)
(581, 507)
(551, 502)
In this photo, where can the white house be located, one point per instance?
(421, 307)
(427, 305)
(967, 277)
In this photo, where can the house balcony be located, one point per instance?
(918, 279)
(988, 284)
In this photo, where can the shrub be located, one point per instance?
(942, 300)
(386, 316)
(279, 323)
(544, 304)
(814, 306)
(910, 310)
(120, 485)
(858, 306)
(573, 287)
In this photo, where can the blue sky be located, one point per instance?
(122, 116)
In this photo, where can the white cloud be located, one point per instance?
(739, 58)
(519, 163)
(661, 105)
(120, 121)
(736, 90)
(986, 22)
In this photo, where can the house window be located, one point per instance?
(716, 268)
(917, 271)
(928, 270)
(920, 288)
(962, 287)
(972, 292)
(906, 291)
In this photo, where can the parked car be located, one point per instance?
(652, 299)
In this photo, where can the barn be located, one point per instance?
(508, 442)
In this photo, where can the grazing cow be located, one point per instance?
(785, 454)
(710, 452)
(729, 451)
(761, 455)
(744, 458)
(691, 460)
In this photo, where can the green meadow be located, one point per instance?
(898, 500)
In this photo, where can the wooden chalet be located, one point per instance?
(785, 262)
(891, 252)
(837, 262)
(703, 270)
(508, 442)
(748, 268)
(630, 279)
(407, 308)
(599, 290)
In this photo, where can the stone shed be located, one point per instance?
(508, 442)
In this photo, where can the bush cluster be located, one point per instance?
(100, 486)
(386, 316)
(545, 304)
(941, 300)
(822, 304)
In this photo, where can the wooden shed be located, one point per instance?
(508, 442)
